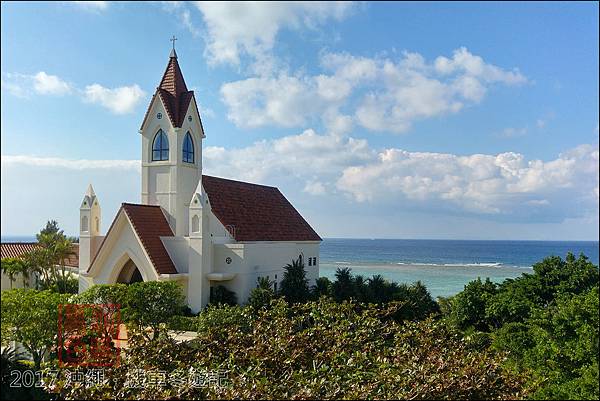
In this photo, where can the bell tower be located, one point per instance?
(172, 136)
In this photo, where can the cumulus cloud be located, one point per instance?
(41, 83)
(505, 186)
(119, 100)
(250, 28)
(392, 94)
(46, 84)
(490, 184)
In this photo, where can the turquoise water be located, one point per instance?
(444, 266)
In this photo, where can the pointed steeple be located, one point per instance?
(90, 191)
(172, 80)
(173, 92)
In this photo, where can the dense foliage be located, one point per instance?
(46, 263)
(222, 296)
(30, 317)
(534, 336)
(546, 321)
(148, 305)
(312, 350)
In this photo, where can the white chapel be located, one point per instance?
(197, 230)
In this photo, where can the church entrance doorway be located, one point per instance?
(129, 274)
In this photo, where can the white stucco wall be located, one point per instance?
(171, 183)
(249, 261)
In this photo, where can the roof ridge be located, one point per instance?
(241, 182)
(138, 204)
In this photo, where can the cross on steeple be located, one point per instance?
(173, 39)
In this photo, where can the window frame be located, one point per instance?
(189, 151)
(161, 150)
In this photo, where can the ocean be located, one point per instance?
(444, 266)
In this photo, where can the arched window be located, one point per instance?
(160, 147)
(84, 223)
(195, 224)
(188, 148)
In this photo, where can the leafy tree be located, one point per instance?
(30, 317)
(294, 285)
(152, 303)
(469, 306)
(115, 294)
(565, 350)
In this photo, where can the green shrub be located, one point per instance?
(260, 298)
(183, 323)
(30, 317)
(318, 350)
(222, 296)
(152, 303)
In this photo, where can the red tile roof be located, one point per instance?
(174, 93)
(18, 249)
(150, 224)
(252, 212)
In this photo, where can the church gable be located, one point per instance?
(137, 231)
(173, 93)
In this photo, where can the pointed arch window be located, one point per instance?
(160, 146)
(188, 148)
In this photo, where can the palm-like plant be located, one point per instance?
(11, 268)
(343, 288)
(321, 288)
(264, 283)
(377, 286)
(294, 285)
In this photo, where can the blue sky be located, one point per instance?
(396, 120)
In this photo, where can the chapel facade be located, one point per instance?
(200, 231)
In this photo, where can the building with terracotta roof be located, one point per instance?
(18, 250)
(197, 230)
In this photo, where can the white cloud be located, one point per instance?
(491, 184)
(315, 188)
(46, 84)
(505, 186)
(80, 164)
(511, 132)
(121, 100)
(92, 5)
(24, 85)
(250, 28)
(379, 94)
